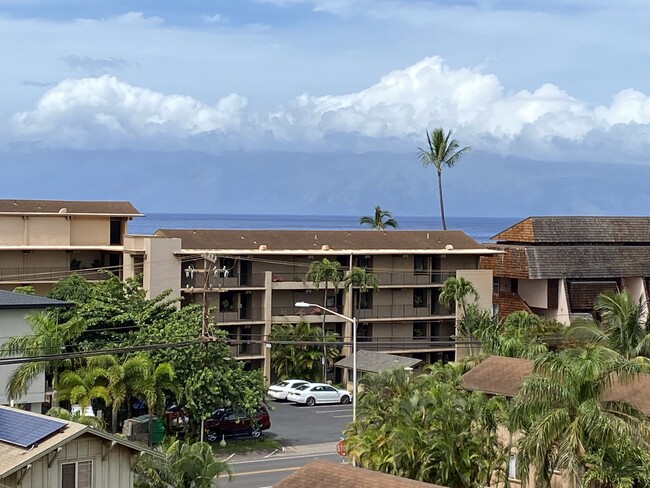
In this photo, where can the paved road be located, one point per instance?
(305, 432)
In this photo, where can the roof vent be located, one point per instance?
(325, 247)
(449, 247)
(63, 210)
(263, 247)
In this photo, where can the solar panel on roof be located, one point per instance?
(25, 430)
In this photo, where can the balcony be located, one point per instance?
(413, 278)
(398, 311)
(47, 274)
(239, 315)
(405, 343)
(255, 280)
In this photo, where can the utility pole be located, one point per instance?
(209, 264)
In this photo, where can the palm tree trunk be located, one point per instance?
(55, 386)
(324, 360)
(442, 205)
(116, 408)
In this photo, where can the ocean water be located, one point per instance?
(479, 228)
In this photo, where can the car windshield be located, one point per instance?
(302, 387)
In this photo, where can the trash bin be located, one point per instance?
(158, 431)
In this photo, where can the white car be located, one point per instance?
(314, 393)
(280, 390)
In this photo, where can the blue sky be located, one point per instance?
(319, 106)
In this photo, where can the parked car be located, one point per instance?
(314, 393)
(280, 390)
(231, 423)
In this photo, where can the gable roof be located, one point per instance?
(313, 241)
(13, 458)
(556, 230)
(28, 207)
(582, 262)
(375, 362)
(11, 300)
(329, 474)
(499, 375)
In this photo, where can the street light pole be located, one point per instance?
(353, 321)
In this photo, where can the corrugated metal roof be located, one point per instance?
(318, 239)
(68, 207)
(375, 362)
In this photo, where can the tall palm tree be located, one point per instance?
(564, 418)
(442, 151)
(380, 221)
(325, 271)
(47, 337)
(456, 290)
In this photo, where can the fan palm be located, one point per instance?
(380, 221)
(564, 418)
(47, 337)
(441, 151)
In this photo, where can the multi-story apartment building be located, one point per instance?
(42, 241)
(251, 279)
(557, 266)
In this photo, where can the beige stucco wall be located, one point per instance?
(13, 230)
(90, 231)
(482, 281)
(534, 292)
(13, 323)
(48, 231)
(562, 314)
(111, 467)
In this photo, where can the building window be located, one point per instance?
(495, 285)
(364, 332)
(421, 264)
(512, 467)
(420, 330)
(77, 475)
(419, 297)
(364, 300)
(495, 311)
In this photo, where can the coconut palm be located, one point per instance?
(380, 221)
(292, 359)
(47, 337)
(441, 151)
(456, 290)
(361, 279)
(563, 416)
(623, 325)
(324, 271)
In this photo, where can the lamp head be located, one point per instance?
(303, 304)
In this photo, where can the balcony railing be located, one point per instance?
(413, 278)
(26, 275)
(237, 281)
(386, 311)
(404, 343)
(238, 315)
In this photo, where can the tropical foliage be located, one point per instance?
(426, 428)
(181, 465)
(456, 290)
(291, 359)
(381, 220)
(441, 151)
(567, 422)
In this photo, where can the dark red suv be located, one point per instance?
(227, 422)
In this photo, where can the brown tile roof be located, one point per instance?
(376, 362)
(583, 294)
(499, 375)
(71, 207)
(286, 240)
(508, 303)
(556, 230)
(548, 262)
(329, 474)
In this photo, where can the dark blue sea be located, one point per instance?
(480, 228)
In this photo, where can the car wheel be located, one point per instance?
(345, 399)
(212, 436)
(310, 402)
(256, 433)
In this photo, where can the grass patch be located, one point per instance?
(246, 445)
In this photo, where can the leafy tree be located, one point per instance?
(295, 360)
(25, 290)
(623, 325)
(325, 271)
(441, 151)
(63, 414)
(456, 290)
(47, 337)
(380, 221)
(185, 465)
(83, 385)
(73, 288)
(207, 375)
(566, 422)
(428, 429)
